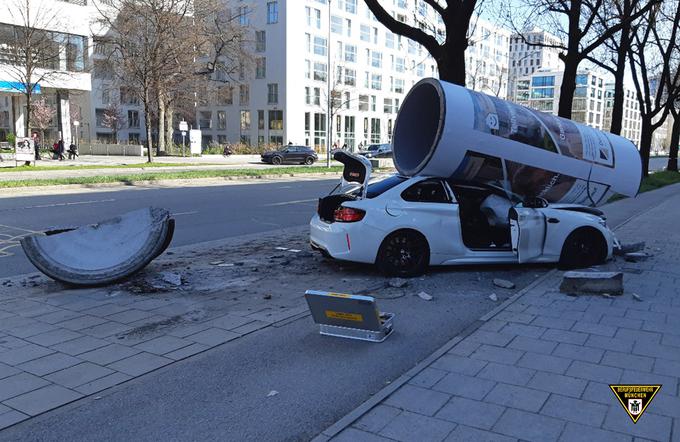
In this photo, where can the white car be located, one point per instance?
(404, 224)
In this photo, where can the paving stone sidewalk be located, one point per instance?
(540, 369)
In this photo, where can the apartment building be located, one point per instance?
(631, 124)
(61, 30)
(529, 52)
(541, 91)
(487, 59)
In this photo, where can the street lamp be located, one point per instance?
(329, 138)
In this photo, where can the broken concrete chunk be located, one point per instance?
(172, 278)
(272, 393)
(636, 256)
(637, 297)
(592, 282)
(101, 253)
(629, 248)
(493, 297)
(424, 296)
(397, 282)
(503, 283)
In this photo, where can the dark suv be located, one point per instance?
(290, 154)
(378, 151)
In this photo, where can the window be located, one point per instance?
(373, 103)
(399, 86)
(375, 130)
(427, 191)
(260, 120)
(244, 95)
(320, 71)
(348, 22)
(133, 137)
(261, 67)
(336, 24)
(133, 119)
(99, 117)
(365, 33)
(308, 95)
(389, 39)
(106, 96)
(350, 53)
(543, 81)
(308, 15)
(260, 41)
(543, 92)
(272, 12)
(245, 120)
(399, 64)
(275, 120)
(243, 15)
(363, 103)
(317, 18)
(320, 46)
(376, 82)
(205, 120)
(221, 120)
(317, 96)
(351, 6)
(387, 105)
(376, 59)
(350, 77)
(225, 95)
(581, 79)
(308, 69)
(273, 93)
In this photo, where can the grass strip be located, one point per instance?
(157, 176)
(23, 168)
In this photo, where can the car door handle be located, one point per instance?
(553, 220)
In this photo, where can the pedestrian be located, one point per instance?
(61, 149)
(36, 146)
(55, 150)
(72, 151)
(361, 146)
(344, 146)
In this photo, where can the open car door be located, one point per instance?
(527, 231)
(357, 170)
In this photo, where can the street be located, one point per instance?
(282, 382)
(201, 213)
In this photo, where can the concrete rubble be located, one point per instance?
(604, 283)
(503, 283)
(102, 253)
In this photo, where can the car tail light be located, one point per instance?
(348, 215)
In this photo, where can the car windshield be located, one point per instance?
(373, 147)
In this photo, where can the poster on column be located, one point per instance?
(25, 149)
(475, 137)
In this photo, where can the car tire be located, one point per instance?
(404, 253)
(276, 161)
(309, 161)
(583, 247)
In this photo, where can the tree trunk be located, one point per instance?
(568, 86)
(451, 60)
(624, 44)
(646, 133)
(27, 125)
(161, 124)
(169, 142)
(147, 123)
(675, 139)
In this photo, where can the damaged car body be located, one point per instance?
(405, 224)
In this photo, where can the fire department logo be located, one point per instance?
(635, 398)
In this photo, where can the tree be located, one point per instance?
(113, 119)
(449, 54)
(580, 17)
(43, 115)
(653, 58)
(34, 49)
(675, 140)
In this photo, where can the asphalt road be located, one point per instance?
(224, 394)
(201, 213)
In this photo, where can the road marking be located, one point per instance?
(184, 213)
(284, 203)
(9, 241)
(73, 203)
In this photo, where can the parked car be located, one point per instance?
(291, 155)
(378, 151)
(405, 224)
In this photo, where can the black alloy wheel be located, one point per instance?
(404, 253)
(309, 161)
(583, 248)
(276, 161)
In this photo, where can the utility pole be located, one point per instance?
(329, 114)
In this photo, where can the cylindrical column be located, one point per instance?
(449, 131)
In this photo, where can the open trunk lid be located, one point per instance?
(357, 170)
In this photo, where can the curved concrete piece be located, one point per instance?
(101, 253)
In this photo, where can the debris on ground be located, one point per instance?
(267, 296)
(101, 253)
(503, 283)
(272, 393)
(225, 265)
(397, 283)
(214, 263)
(493, 297)
(171, 278)
(592, 282)
(629, 248)
(636, 256)
(637, 297)
(424, 296)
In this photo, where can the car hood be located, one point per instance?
(270, 153)
(357, 170)
(578, 208)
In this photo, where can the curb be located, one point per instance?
(362, 409)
